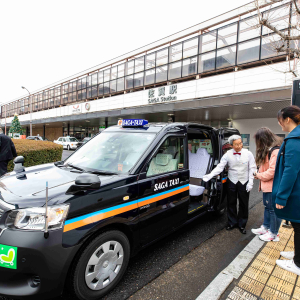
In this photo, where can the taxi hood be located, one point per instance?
(29, 190)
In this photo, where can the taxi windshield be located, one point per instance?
(111, 152)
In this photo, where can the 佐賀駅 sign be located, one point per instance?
(162, 94)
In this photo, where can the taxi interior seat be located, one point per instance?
(162, 163)
(199, 163)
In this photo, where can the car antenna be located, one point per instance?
(46, 233)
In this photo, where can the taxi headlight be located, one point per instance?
(34, 218)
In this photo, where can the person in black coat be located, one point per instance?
(7, 152)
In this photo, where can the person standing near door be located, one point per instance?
(242, 166)
(7, 152)
(286, 185)
(267, 147)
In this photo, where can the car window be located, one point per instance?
(169, 157)
(72, 140)
(112, 151)
(63, 140)
(59, 139)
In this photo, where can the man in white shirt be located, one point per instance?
(241, 166)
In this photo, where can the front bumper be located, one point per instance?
(42, 265)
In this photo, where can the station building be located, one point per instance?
(224, 72)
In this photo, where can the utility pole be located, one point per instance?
(30, 108)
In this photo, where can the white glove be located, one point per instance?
(207, 177)
(249, 187)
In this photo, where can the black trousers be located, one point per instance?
(3, 167)
(296, 243)
(234, 192)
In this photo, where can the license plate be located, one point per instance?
(8, 256)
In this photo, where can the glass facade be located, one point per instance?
(238, 43)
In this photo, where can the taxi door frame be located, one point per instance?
(184, 201)
(223, 177)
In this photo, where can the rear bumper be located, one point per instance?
(42, 265)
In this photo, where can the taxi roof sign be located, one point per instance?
(132, 122)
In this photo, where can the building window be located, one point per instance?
(139, 79)
(226, 57)
(121, 70)
(150, 77)
(83, 83)
(129, 82)
(114, 73)
(162, 57)
(94, 79)
(207, 62)
(150, 61)
(249, 29)
(139, 64)
(129, 67)
(189, 66)
(120, 84)
(227, 35)
(100, 77)
(100, 89)
(106, 75)
(94, 91)
(113, 86)
(248, 51)
(106, 89)
(190, 47)
(208, 42)
(175, 52)
(175, 70)
(161, 73)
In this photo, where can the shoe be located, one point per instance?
(261, 230)
(230, 227)
(288, 265)
(242, 230)
(288, 255)
(268, 237)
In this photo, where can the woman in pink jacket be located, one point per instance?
(267, 148)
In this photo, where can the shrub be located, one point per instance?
(36, 152)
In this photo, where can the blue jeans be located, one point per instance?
(271, 221)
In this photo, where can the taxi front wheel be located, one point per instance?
(100, 266)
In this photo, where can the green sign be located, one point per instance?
(8, 257)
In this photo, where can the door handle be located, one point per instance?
(185, 181)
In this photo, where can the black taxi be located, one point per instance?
(74, 224)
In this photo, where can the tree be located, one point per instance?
(16, 126)
(281, 30)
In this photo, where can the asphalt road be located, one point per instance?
(145, 268)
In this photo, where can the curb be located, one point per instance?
(233, 271)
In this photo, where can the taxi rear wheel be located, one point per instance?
(100, 266)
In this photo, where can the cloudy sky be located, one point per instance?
(43, 42)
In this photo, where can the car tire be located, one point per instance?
(68, 147)
(106, 255)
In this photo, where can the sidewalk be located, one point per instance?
(263, 279)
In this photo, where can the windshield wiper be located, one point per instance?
(74, 167)
(101, 172)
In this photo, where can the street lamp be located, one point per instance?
(30, 108)
(3, 106)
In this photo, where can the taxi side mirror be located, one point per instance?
(84, 182)
(19, 161)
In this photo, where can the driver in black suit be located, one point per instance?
(7, 152)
